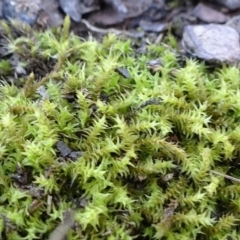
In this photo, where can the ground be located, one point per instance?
(115, 140)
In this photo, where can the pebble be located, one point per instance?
(230, 4)
(212, 42)
(150, 26)
(180, 21)
(234, 22)
(118, 5)
(208, 14)
(23, 10)
(72, 8)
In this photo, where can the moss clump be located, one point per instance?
(144, 145)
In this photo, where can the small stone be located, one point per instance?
(235, 23)
(75, 155)
(230, 4)
(212, 42)
(208, 14)
(149, 26)
(180, 21)
(123, 72)
(117, 5)
(72, 8)
(23, 10)
(63, 149)
(53, 14)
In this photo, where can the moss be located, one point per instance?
(147, 143)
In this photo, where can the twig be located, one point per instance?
(152, 101)
(61, 230)
(159, 39)
(112, 30)
(225, 176)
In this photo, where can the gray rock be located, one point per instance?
(149, 26)
(23, 10)
(212, 42)
(53, 12)
(231, 4)
(118, 5)
(208, 14)
(72, 8)
(235, 23)
(180, 21)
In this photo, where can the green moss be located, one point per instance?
(5, 67)
(148, 143)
